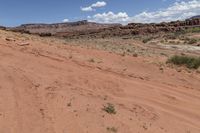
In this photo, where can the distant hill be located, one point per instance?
(61, 27)
(2, 28)
(194, 17)
(97, 30)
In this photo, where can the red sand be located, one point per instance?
(61, 89)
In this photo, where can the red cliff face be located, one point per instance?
(137, 29)
(89, 29)
(60, 28)
(165, 27)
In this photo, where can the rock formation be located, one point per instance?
(90, 29)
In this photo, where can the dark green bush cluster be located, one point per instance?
(193, 30)
(110, 109)
(189, 61)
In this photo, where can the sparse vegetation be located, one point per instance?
(147, 39)
(110, 109)
(192, 41)
(172, 42)
(162, 41)
(112, 129)
(45, 34)
(188, 61)
(92, 60)
(172, 36)
(193, 30)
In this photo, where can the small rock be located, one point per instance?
(10, 39)
(182, 53)
(161, 68)
(179, 70)
(23, 44)
(69, 104)
(135, 55)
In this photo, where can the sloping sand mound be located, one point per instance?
(46, 87)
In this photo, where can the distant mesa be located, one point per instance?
(83, 22)
(59, 28)
(195, 17)
(98, 30)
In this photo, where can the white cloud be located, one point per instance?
(66, 20)
(86, 9)
(177, 11)
(99, 4)
(110, 17)
(92, 7)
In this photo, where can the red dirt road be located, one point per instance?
(55, 88)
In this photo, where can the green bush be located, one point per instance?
(189, 61)
(172, 36)
(110, 109)
(193, 30)
(112, 129)
(192, 41)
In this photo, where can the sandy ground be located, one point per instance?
(55, 88)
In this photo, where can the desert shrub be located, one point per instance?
(91, 60)
(193, 30)
(110, 109)
(188, 61)
(112, 129)
(172, 42)
(147, 39)
(162, 41)
(192, 41)
(45, 34)
(171, 36)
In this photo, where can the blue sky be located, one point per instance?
(16, 12)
